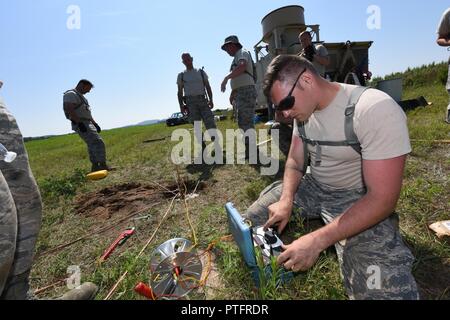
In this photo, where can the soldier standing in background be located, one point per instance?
(316, 54)
(77, 110)
(242, 85)
(195, 95)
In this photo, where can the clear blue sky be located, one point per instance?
(131, 49)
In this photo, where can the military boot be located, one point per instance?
(104, 166)
(87, 291)
(95, 167)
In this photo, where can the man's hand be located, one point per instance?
(82, 127)
(184, 110)
(301, 255)
(279, 214)
(97, 127)
(211, 104)
(223, 86)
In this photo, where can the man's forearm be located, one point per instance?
(291, 181)
(237, 72)
(210, 94)
(293, 170)
(180, 99)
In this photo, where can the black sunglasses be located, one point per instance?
(288, 102)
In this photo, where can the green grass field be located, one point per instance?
(143, 169)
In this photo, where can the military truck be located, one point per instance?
(349, 60)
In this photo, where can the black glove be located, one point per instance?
(310, 52)
(97, 127)
(82, 127)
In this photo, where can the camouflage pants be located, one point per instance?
(20, 213)
(447, 116)
(379, 248)
(245, 103)
(95, 144)
(448, 77)
(199, 110)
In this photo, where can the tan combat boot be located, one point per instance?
(87, 291)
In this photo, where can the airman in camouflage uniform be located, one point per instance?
(242, 85)
(77, 109)
(20, 213)
(195, 95)
(380, 246)
(353, 187)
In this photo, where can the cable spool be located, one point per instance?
(175, 269)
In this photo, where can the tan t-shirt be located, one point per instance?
(84, 110)
(192, 82)
(380, 125)
(245, 79)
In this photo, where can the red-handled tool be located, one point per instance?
(124, 236)
(145, 291)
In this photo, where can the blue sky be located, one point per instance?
(131, 49)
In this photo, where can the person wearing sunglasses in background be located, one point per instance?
(317, 54)
(357, 141)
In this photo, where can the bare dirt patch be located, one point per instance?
(128, 197)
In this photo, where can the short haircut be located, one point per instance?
(186, 54)
(286, 68)
(85, 82)
(305, 32)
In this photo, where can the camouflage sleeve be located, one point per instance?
(8, 231)
(24, 191)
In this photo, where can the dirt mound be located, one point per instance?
(126, 198)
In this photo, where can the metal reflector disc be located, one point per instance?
(167, 249)
(177, 275)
